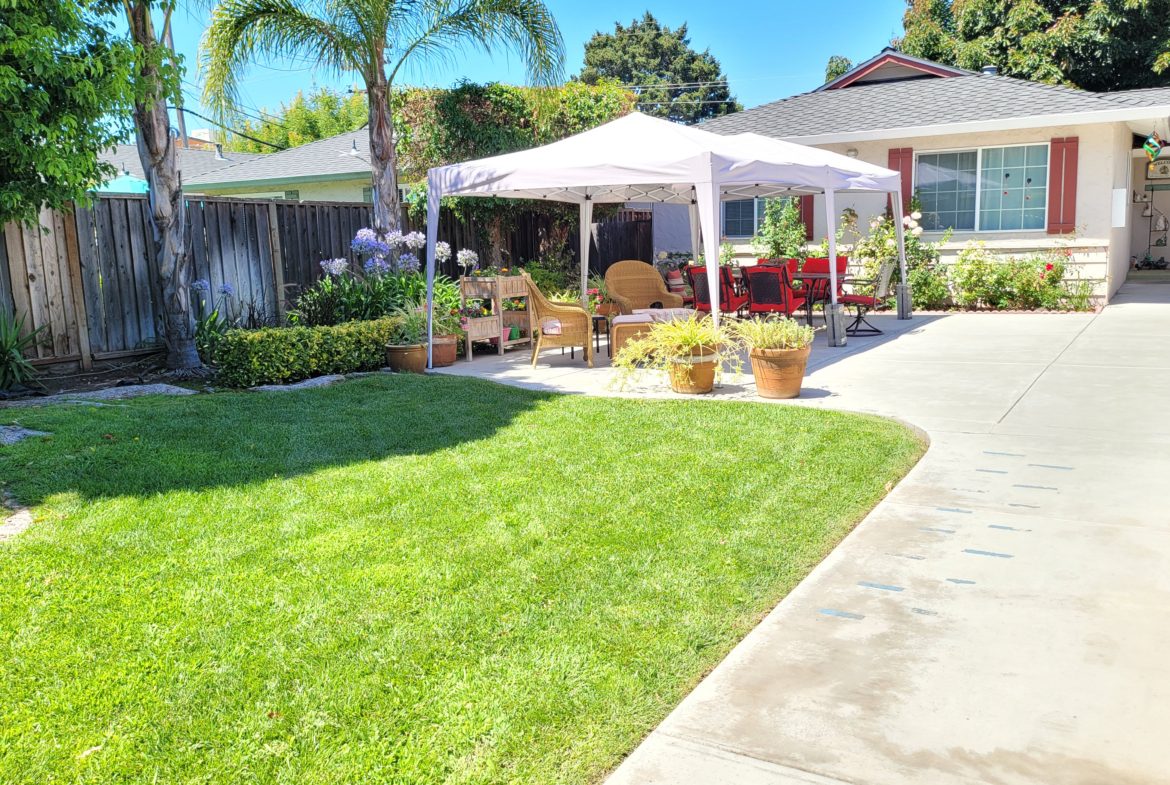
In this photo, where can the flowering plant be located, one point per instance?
(467, 259)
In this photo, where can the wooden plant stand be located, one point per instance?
(495, 289)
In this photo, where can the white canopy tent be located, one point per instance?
(643, 159)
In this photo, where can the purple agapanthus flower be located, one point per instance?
(367, 243)
(376, 265)
(407, 262)
(201, 285)
(335, 266)
(227, 290)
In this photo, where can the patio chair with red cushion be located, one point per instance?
(770, 291)
(819, 265)
(864, 303)
(730, 300)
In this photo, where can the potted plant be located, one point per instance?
(445, 342)
(599, 298)
(407, 348)
(779, 350)
(691, 351)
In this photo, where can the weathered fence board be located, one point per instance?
(88, 275)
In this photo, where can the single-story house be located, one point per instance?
(193, 162)
(1019, 165)
(336, 169)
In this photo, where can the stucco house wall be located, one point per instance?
(350, 190)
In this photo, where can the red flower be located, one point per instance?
(1048, 266)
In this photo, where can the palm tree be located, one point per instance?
(376, 38)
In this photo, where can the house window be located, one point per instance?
(292, 196)
(989, 189)
(741, 217)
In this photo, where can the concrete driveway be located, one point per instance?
(1004, 615)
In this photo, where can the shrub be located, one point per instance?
(275, 355)
(781, 234)
(981, 279)
(15, 369)
(347, 296)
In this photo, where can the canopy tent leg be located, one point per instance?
(834, 313)
(696, 233)
(903, 288)
(433, 199)
(586, 225)
(708, 208)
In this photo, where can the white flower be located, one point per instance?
(913, 224)
(662, 255)
(917, 230)
(917, 216)
(442, 251)
(890, 242)
(467, 258)
(394, 239)
(906, 220)
(415, 241)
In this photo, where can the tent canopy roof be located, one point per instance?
(644, 159)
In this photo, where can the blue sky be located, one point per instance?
(768, 48)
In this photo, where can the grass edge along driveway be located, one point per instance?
(398, 579)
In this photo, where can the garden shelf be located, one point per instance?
(496, 289)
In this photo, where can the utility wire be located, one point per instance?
(230, 130)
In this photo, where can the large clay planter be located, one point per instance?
(693, 375)
(443, 350)
(407, 358)
(779, 372)
(608, 309)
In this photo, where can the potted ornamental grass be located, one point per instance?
(691, 351)
(445, 338)
(779, 350)
(406, 350)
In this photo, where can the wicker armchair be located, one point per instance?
(558, 324)
(633, 284)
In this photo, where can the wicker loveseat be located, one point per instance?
(633, 285)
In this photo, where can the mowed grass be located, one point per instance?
(398, 579)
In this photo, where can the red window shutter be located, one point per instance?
(901, 160)
(806, 215)
(1062, 185)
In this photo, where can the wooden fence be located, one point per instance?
(88, 275)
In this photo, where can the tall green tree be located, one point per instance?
(671, 79)
(1092, 44)
(319, 115)
(836, 66)
(64, 92)
(377, 39)
(155, 78)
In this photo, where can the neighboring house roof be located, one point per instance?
(192, 162)
(1146, 96)
(934, 105)
(344, 155)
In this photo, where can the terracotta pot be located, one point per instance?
(779, 372)
(607, 309)
(693, 376)
(407, 358)
(443, 350)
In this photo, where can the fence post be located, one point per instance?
(277, 259)
(73, 261)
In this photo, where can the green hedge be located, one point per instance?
(276, 355)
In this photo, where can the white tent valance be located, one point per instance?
(643, 159)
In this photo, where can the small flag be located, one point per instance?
(1153, 145)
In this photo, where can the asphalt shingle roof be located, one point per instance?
(332, 156)
(1146, 96)
(913, 102)
(192, 162)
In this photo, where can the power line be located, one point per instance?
(230, 130)
(260, 114)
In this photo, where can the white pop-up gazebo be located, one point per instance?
(643, 159)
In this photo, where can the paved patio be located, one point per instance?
(1003, 616)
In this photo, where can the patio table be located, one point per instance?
(800, 277)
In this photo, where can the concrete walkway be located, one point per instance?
(1004, 615)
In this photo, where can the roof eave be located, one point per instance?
(1120, 115)
(275, 181)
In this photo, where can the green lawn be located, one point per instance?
(398, 579)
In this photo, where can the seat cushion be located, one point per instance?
(634, 318)
(664, 314)
(550, 327)
(857, 299)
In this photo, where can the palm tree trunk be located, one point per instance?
(168, 216)
(383, 157)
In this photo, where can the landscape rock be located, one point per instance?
(107, 394)
(319, 381)
(11, 434)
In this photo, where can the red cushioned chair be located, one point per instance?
(770, 291)
(864, 303)
(730, 301)
(819, 265)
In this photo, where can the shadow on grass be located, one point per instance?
(154, 445)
